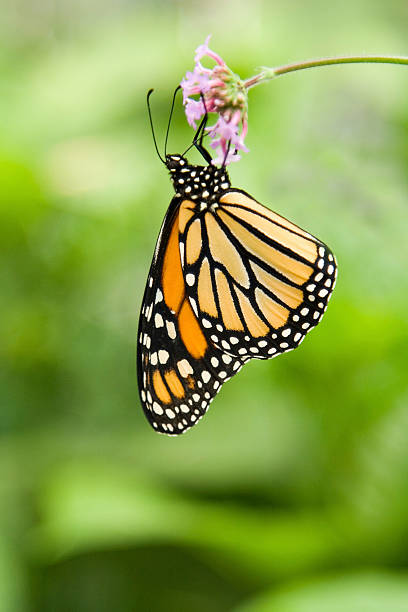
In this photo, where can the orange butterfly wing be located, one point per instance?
(179, 369)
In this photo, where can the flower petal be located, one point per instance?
(194, 110)
(202, 50)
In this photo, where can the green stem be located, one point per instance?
(269, 73)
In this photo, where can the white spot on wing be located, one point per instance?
(158, 320)
(205, 375)
(163, 356)
(184, 368)
(171, 329)
(194, 306)
(181, 244)
(157, 408)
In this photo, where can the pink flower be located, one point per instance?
(224, 94)
(228, 132)
(194, 111)
(204, 50)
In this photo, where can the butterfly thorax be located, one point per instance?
(203, 184)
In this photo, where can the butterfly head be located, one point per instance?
(175, 162)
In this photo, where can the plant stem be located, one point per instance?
(270, 73)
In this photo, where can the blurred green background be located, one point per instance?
(292, 494)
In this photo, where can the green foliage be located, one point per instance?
(373, 592)
(291, 495)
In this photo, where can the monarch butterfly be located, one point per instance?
(230, 281)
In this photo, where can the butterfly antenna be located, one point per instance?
(170, 117)
(200, 132)
(149, 93)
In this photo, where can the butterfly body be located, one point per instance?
(230, 281)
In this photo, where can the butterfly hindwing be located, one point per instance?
(258, 282)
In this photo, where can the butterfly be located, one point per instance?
(230, 281)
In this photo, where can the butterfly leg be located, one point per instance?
(199, 136)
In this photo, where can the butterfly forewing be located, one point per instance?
(179, 369)
(257, 282)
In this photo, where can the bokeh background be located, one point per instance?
(292, 494)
